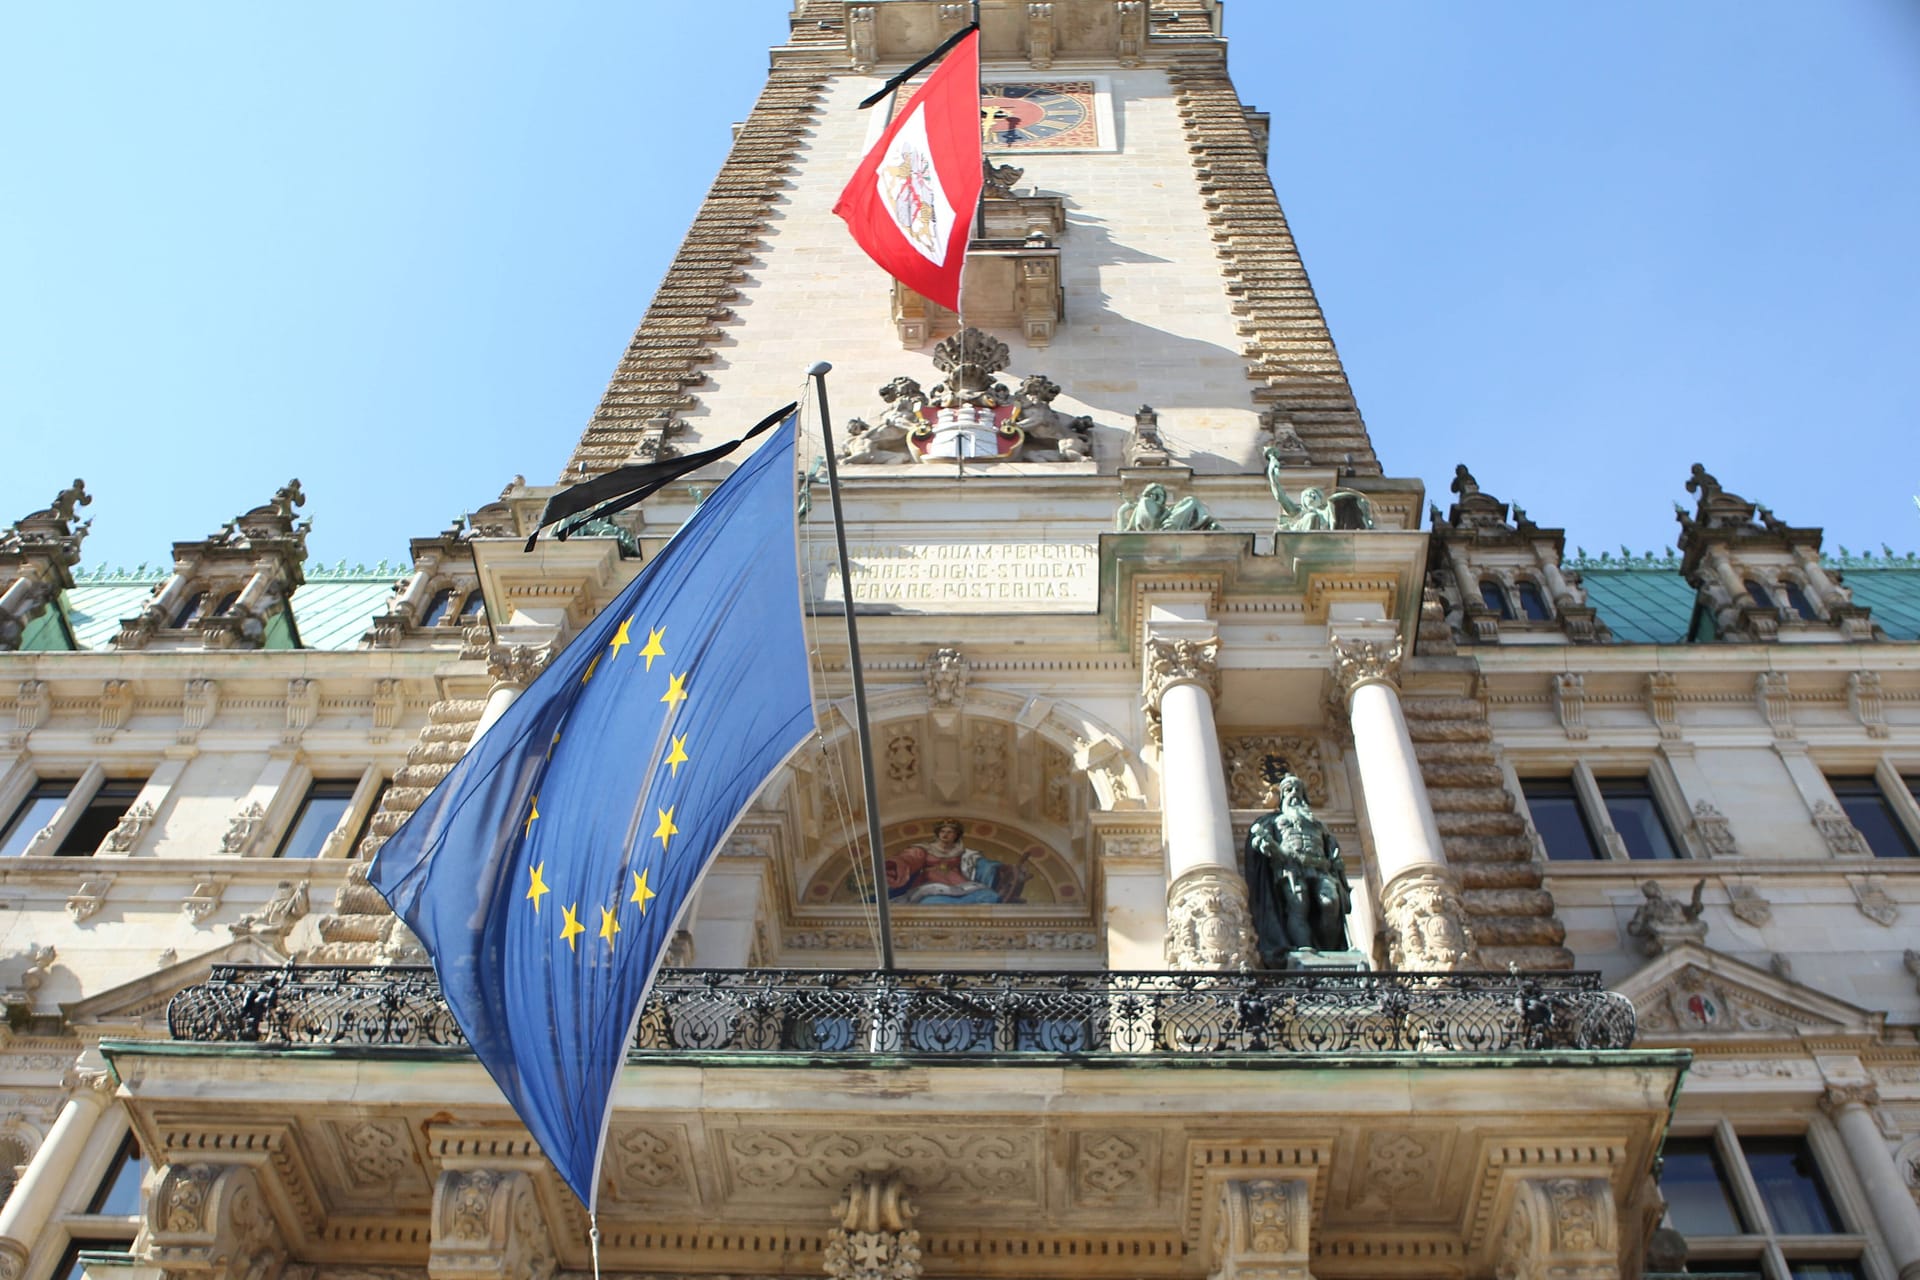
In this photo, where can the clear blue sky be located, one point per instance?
(396, 249)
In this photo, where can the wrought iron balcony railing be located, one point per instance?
(960, 1015)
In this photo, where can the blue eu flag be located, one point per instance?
(545, 873)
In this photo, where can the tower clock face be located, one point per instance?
(1015, 117)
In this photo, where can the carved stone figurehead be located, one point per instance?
(970, 358)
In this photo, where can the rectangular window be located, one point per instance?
(35, 812)
(118, 1195)
(1790, 1186)
(102, 814)
(1554, 805)
(1699, 1197)
(1748, 1203)
(1633, 811)
(326, 804)
(1867, 807)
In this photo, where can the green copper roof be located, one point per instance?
(1646, 601)
(332, 611)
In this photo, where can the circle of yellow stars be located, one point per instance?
(570, 926)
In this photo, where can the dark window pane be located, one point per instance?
(1826, 1271)
(326, 803)
(1759, 594)
(1558, 819)
(474, 606)
(1532, 603)
(102, 814)
(119, 1193)
(437, 607)
(227, 602)
(1699, 1201)
(69, 1268)
(35, 812)
(1635, 814)
(1494, 598)
(1801, 605)
(1867, 808)
(1790, 1186)
(185, 613)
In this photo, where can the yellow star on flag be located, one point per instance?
(553, 744)
(666, 830)
(676, 690)
(641, 894)
(590, 667)
(620, 637)
(608, 925)
(535, 806)
(677, 756)
(653, 649)
(570, 928)
(538, 885)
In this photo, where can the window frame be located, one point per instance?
(1895, 791)
(1668, 800)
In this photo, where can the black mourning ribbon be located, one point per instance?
(622, 487)
(914, 70)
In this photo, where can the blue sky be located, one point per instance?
(396, 249)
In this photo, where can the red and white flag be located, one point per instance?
(911, 202)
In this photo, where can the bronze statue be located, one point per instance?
(1296, 881)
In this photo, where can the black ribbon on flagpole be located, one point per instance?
(622, 487)
(922, 65)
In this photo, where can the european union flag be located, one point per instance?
(546, 872)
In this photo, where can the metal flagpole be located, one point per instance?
(865, 734)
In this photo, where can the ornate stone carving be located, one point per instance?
(85, 902)
(645, 1160)
(873, 1237)
(1039, 35)
(116, 704)
(1358, 662)
(517, 664)
(388, 698)
(303, 704)
(1570, 703)
(1155, 511)
(1144, 446)
(132, 825)
(1246, 760)
(903, 760)
(796, 1164)
(1747, 903)
(243, 829)
(37, 555)
(213, 1221)
(1663, 703)
(276, 919)
(946, 676)
(1052, 436)
(1559, 1227)
(1113, 1168)
(1170, 662)
(1843, 838)
(972, 415)
(1427, 922)
(1859, 1093)
(488, 1226)
(203, 901)
(1714, 831)
(1208, 923)
(1776, 701)
(199, 704)
(375, 1152)
(1261, 1229)
(863, 40)
(33, 704)
(1661, 922)
(1870, 895)
(1865, 701)
(1278, 438)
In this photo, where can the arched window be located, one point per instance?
(227, 602)
(188, 610)
(474, 606)
(1532, 603)
(1759, 594)
(1495, 599)
(1798, 599)
(437, 607)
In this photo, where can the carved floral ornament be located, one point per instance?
(1175, 662)
(1209, 926)
(1363, 662)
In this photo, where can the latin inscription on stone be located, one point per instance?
(939, 577)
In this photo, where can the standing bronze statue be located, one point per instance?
(1296, 881)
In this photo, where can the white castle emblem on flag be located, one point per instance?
(910, 189)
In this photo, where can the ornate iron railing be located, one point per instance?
(959, 1015)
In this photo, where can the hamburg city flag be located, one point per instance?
(911, 202)
(545, 873)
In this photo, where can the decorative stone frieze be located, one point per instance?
(945, 671)
(1209, 925)
(200, 702)
(116, 705)
(1358, 662)
(1775, 699)
(1661, 923)
(487, 1225)
(1144, 446)
(1714, 832)
(1663, 703)
(873, 1236)
(1477, 553)
(1262, 1229)
(1427, 924)
(37, 555)
(1871, 897)
(1569, 692)
(213, 1222)
(1559, 1228)
(303, 706)
(243, 830)
(33, 704)
(1843, 838)
(1246, 759)
(1179, 661)
(1865, 701)
(84, 903)
(127, 832)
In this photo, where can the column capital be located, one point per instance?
(91, 1085)
(517, 664)
(1358, 662)
(1174, 660)
(1838, 1097)
(873, 1236)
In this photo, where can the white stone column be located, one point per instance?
(1419, 897)
(1209, 925)
(513, 668)
(24, 1218)
(1851, 1108)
